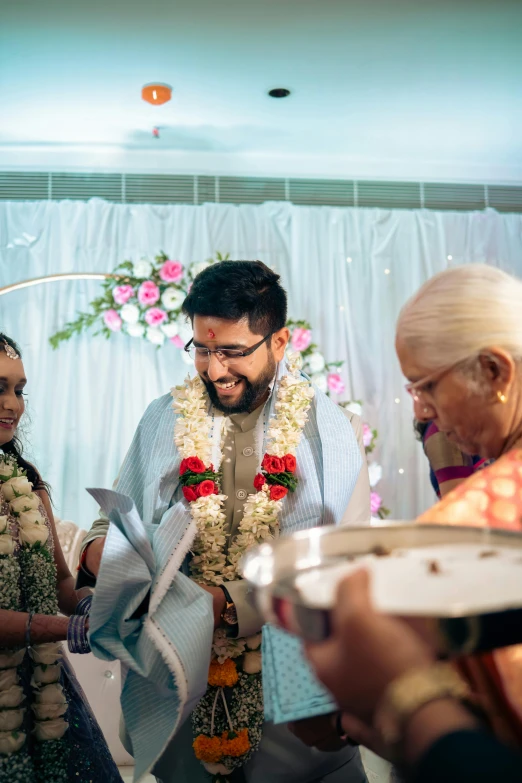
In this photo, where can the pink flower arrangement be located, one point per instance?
(148, 293)
(122, 294)
(367, 435)
(301, 339)
(375, 502)
(155, 316)
(335, 383)
(177, 341)
(171, 271)
(112, 320)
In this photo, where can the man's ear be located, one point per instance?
(279, 342)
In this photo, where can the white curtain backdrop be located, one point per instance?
(347, 271)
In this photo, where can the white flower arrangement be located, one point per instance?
(28, 583)
(135, 330)
(319, 380)
(24, 503)
(172, 299)
(155, 335)
(16, 487)
(170, 330)
(142, 269)
(316, 362)
(130, 313)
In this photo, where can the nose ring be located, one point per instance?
(425, 410)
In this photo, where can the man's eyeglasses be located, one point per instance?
(226, 356)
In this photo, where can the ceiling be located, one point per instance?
(380, 88)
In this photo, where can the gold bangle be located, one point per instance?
(413, 690)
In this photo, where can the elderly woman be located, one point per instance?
(459, 342)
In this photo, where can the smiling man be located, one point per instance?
(238, 311)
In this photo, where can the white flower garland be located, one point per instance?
(194, 436)
(28, 583)
(199, 436)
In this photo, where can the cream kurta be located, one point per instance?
(239, 466)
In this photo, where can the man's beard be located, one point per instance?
(253, 394)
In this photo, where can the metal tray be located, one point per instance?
(274, 571)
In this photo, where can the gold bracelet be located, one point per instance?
(413, 690)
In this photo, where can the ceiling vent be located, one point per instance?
(188, 189)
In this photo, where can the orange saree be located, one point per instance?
(491, 498)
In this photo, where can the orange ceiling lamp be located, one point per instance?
(156, 93)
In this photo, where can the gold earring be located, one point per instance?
(502, 397)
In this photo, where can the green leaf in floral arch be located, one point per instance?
(125, 266)
(328, 365)
(291, 324)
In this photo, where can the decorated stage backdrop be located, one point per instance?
(347, 272)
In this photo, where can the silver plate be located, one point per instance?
(273, 569)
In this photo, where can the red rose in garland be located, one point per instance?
(206, 488)
(195, 465)
(183, 467)
(277, 492)
(290, 463)
(259, 482)
(189, 494)
(272, 464)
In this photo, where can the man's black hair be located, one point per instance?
(239, 289)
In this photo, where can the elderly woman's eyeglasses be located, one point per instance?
(226, 356)
(419, 390)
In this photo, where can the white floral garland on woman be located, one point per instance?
(196, 433)
(28, 583)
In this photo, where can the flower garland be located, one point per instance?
(144, 301)
(28, 584)
(228, 720)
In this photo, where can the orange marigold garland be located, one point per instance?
(214, 749)
(209, 749)
(217, 741)
(237, 745)
(223, 675)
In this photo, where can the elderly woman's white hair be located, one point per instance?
(461, 312)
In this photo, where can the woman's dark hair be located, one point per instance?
(420, 428)
(239, 289)
(14, 447)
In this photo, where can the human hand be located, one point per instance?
(367, 650)
(93, 555)
(84, 592)
(218, 600)
(362, 734)
(319, 732)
